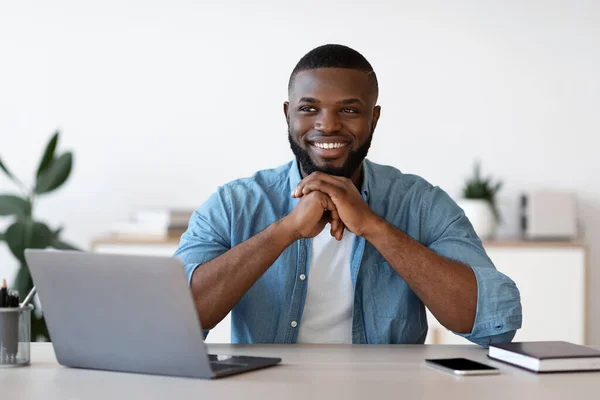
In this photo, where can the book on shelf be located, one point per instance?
(158, 224)
(129, 230)
(547, 356)
(172, 218)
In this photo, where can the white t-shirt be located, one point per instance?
(327, 315)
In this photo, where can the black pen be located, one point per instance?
(14, 299)
(3, 294)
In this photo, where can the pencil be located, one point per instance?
(3, 294)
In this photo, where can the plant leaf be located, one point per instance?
(7, 172)
(13, 205)
(48, 156)
(497, 188)
(27, 235)
(59, 244)
(15, 238)
(57, 232)
(41, 237)
(55, 175)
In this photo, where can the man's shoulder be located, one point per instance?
(268, 180)
(391, 178)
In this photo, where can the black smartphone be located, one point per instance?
(462, 366)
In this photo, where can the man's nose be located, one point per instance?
(328, 122)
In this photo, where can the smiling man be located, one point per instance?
(334, 248)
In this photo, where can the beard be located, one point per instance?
(353, 162)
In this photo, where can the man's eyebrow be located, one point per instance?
(351, 101)
(308, 100)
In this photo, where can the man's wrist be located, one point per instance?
(283, 230)
(374, 226)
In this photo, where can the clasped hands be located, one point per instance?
(326, 198)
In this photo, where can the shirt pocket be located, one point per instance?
(391, 295)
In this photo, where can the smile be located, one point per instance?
(328, 146)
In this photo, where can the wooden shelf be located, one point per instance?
(532, 243)
(137, 240)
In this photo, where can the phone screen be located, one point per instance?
(461, 364)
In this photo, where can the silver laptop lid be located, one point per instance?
(119, 312)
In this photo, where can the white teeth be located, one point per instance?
(329, 145)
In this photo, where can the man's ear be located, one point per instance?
(376, 114)
(286, 108)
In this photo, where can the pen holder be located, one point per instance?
(15, 336)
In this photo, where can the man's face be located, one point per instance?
(331, 116)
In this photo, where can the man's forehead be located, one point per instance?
(331, 83)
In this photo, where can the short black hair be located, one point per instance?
(334, 56)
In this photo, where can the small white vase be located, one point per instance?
(479, 213)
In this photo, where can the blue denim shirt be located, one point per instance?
(385, 309)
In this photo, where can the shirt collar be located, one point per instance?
(367, 178)
(295, 177)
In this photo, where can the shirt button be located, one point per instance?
(294, 324)
(302, 277)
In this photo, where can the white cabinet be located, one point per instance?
(220, 333)
(551, 278)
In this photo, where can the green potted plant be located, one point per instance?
(479, 203)
(25, 230)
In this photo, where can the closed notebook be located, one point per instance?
(551, 356)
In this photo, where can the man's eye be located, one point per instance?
(307, 109)
(350, 110)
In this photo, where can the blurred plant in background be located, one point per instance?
(479, 203)
(478, 188)
(26, 232)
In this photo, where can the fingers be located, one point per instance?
(341, 230)
(337, 229)
(337, 226)
(333, 181)
(335, 223)
(321, 186)
(327, 189)
(327, 204)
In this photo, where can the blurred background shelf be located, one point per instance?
(552, 279)
(136, 245)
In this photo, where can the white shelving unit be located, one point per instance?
(551, 276)
(552, 280)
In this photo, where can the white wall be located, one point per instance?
(162, 101)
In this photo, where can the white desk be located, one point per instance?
(308, 372)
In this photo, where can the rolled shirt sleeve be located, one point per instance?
(449, 233)
(208, 234)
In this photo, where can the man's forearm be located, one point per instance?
(220, 283)
(448, 288)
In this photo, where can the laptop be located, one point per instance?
(127, 313)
